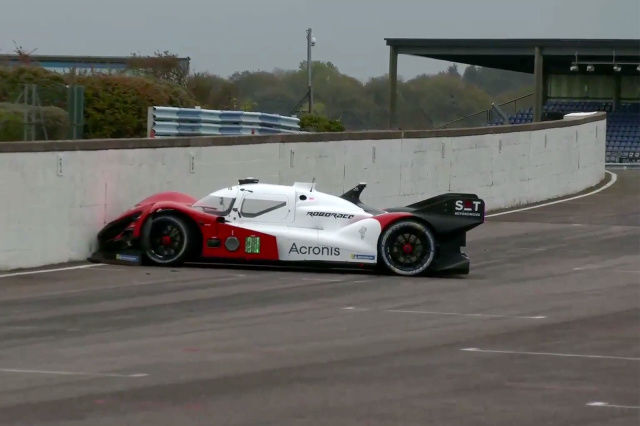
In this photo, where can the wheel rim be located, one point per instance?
(166, 241)
(408, 249)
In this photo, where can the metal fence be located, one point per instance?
(169, 121)
(50, 111)
(490, 116)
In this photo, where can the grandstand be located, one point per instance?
(570, 76)
(623, 124)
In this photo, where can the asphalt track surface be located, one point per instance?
(544, 331)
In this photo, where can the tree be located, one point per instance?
(496, 82)
(430, 101)
(24, 56)
(212, 91)
(453, 70)
(318, 123)
(162, 65)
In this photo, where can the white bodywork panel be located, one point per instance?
(308, 225)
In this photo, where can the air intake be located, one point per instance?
(248, 180)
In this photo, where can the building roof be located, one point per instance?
(93, 63)
(518, 54)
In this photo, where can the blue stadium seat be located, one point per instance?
(623, 125)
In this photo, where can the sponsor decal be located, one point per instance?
(315, 250)
(330, 214)
(468, 208)
(252, 245)
(363, 256)
(128, 258)
(362, 231)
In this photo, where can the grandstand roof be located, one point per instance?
(518, 54)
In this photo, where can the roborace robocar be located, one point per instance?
(263, 223)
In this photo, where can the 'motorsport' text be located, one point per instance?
(329, 214)
(315, 250)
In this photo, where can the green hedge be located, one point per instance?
(56, 122)
(318, 123)
(116, 105)
(51, 86)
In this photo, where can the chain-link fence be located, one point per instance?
(51, 111)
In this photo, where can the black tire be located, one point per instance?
(407, 248)
(167, 240)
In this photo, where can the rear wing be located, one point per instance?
(452, 212)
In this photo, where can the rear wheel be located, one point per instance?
(407, 247)
(166, 240)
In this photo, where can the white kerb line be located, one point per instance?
(614, 178)
(606, 404)
(70, 373)
(494, 351)
(458, 314)
(112, 287)
(44, 271)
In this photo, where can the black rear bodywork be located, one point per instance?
(449, 216)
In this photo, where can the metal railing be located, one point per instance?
(170, 121)
(489, 116)
(50, 111)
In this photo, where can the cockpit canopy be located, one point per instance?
(218, 203)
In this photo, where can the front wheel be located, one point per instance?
(166, 240)
(407, 247)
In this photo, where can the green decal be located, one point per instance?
(252, 245)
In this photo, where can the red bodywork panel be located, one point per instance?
(222, 231)
(387, 219)
(208, 224)
(176, 197)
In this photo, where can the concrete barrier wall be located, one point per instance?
(56, 196)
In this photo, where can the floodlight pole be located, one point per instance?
(309, 82)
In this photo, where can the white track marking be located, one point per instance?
(21, 327)
(458, 314)
(403, 311)
(606, 404)
(70, 373)
(330, 280)
(614, 178)
(488, 262)
(622, 358)
(31, 327)
(86, 290)
(113, 268)
(44, 271)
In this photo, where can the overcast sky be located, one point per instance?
(223, 37)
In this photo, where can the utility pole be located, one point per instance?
(311, 41)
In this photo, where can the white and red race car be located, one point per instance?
(263, 223)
